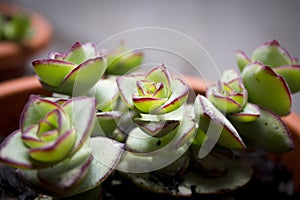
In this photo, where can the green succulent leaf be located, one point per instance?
(81, 111)
(104, 161)
(121, 63)
(56, 151)
(83, 77)
(78, 53)
(291, 75)
(216, 125)
(272, 54)
(13, 152)
(242, 60)
(145, 162)
(52, 72)
(107, 123)
(156, 128)
(106, 93)
(127, 86)
(159, 75)
(67, 173)
(35, 109)
(249, 113)
(266, 88)
(268, 132)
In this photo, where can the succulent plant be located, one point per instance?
(142, 125)
(73, 72)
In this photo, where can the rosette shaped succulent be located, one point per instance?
(229, 95)
(155, 92)
(73, 72)
(273, 55)
(49, 132)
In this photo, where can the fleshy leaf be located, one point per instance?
(127, 86)
(272, 54)
(216, 125)
(242, 60)
(35, 109)
(13, 145)
(139, 141)
(52, 72)
(81, 111)
(123, 62)
(148, 104)
(159, 74)
(81, 79)
(291, 74)
(147, 162)
(265, 87)
(106, 92)
(57, 151)
(178, 97)
(104, 161)
(249, 113)
(229, 75)
(268, 131)
(75, 54)
(107, 122)
(156, 128)
(223, 103)
(68, 172)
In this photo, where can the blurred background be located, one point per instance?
(221, 27)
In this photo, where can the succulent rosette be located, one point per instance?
(73, 72)
(155, 92)
(273, 55)
(48, 132)
(229, 95)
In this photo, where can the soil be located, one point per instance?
(270, 180)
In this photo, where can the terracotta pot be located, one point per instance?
(14, 94)
(13, 55)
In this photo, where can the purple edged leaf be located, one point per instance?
(268, 132)
(107, 122)
(156, 128)
(242, 60)
(178, 97)
(265, 87)
(160, 74)
(148, 104)
(272, 54)
(13, 152)
(104, 161)
(52, 72)
(216, 125)
(35, 109)
(67, 173)
(55, 55)
(75, 54)
(81, 111)
(127, 86)
(291, 75)
(106, 93)
(57, 150)
(82, 78)
(223, 103)
(249, 113)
